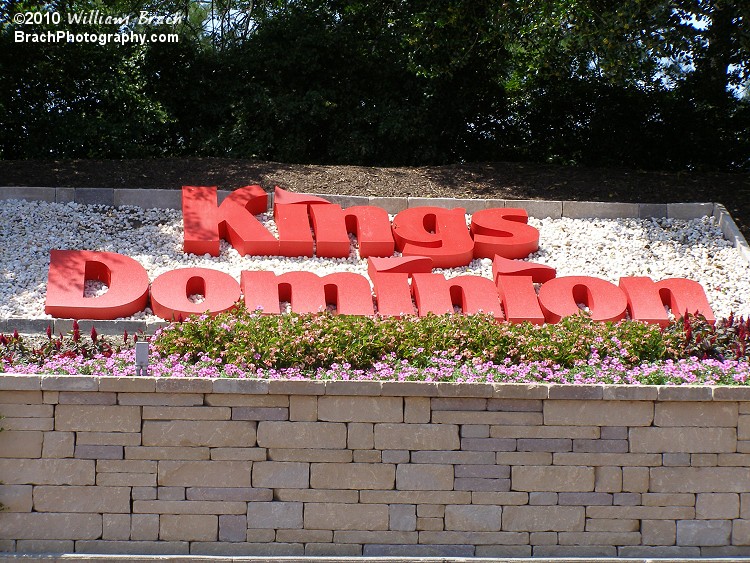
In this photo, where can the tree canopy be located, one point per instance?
(638, 83)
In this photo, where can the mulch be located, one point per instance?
(501, 180)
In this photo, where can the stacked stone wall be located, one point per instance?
(233, 467)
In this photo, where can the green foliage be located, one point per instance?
(312, 341)
(645, 83)
(726, 339)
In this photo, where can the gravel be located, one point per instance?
(605, 248)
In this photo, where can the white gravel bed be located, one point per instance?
(605, 248)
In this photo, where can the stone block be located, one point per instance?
(668, 499)
(354, 388)
(635, 479)
(188, 527)
(600, 446)
(304, 536)
(281, 475)
(392, 205)
(629, 393)
(160, 453)
(238, 454)
(691, 413)
(415, 497)
(195, 433)
(599, 209)
(144, 527)
(303, 408)
(126, 466)
(488, 444)
(47, 472)
(81, 499)
(544, 518)
(402, 517)
(429, 524)
(604, 525)
(598, 413)
(599, 538)
(652, 210)
(585, 499)
(27, 193)
(517, 551)
(171, 493)
(475, 431)
(477, 484)
(16, 498)
(515, 405)
(173, 399)
(204, 473)
(39, 546)
(610, 459)
(127, 384)
(55, 445)
(543, 445)
(12, 386)
(260, 413)
(608, 479)
(416, 437)
(552, 478)
(144, 493)
(274, 515)
(186, 413)
(395, 550)
(584, 392)
(417, 409)
(704, 532)
(537, 208)
(591, 551)
(431, 510)
(230, 494)
(148, 199)
(741, 532)
(658, 532)
(500, 498)
(95, 196)
(458, 404)
(684, 393)
(316, 495)
(21, 444)
(332, 550)
(43, 526)
(450, 389)
(409, 389)
(232, 528)
(99, 452)
(482, 471)
(336, 516)
(520, 391)
(395, 456)
(487, 417)
(116, 527)
(473, 518)
(253, 548)
(183, 385)
(717, 506)
(360, 436)
(352, 476)
(691, 210)
(475, 538)
(683, 439)
(310, 455)
(188, 507)
(322, 435)
(678, 552)
(296, 387)
(424, 477)
(126, 479)
(524, 458)
(641, 512)
(240, 399)
(98, 418)
(366, 456)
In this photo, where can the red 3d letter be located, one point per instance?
(515, 281)
(69, 269)
(170, 292)
(503, 232)
(332, 225)
(307, 292)
(560, 297)
(234, 220)
(646, 299)
(440, 234)
(434, 294)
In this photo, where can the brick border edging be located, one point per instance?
(171, 199)
(22, 382)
